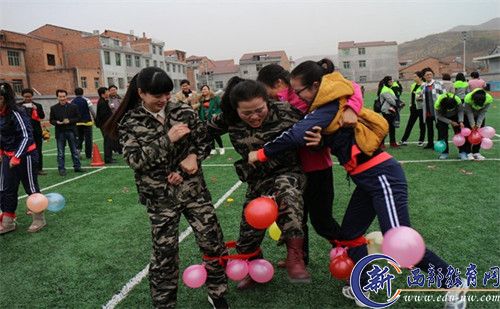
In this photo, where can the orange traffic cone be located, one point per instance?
(96, 157)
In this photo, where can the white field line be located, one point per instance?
(69, 180)
(117, 298)
(55, 149)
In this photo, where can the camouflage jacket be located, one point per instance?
(245, 139)
(150, 153)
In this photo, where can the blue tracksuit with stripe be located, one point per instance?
(381, 190)
(16, 145)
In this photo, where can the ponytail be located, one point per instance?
(310, 72)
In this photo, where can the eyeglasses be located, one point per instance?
(298, 92)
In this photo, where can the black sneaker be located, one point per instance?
(79, 170)
(218, 303)
(62, 172)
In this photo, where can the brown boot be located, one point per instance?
(246, 283)
(295, 266)
(38, 222)
(7, 224)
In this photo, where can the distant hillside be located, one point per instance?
(493, 24)
(450, 44)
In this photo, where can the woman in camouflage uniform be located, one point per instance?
(164, 143)
(251, 120)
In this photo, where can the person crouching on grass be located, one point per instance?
(164, 143)
(18, 158)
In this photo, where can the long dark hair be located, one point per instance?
(9, 97)
(382, 83)
(150, 80)
(310, 72)
(230, 115)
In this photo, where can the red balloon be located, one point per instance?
(261, 212)
(474, 138)
(341, 267)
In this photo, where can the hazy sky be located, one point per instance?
(227, 29)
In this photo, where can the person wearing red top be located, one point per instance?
(316, 163)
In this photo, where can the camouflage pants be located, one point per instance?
(287, 189)
(164, 266)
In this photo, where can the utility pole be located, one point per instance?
(464, 38)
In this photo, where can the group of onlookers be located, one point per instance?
(460, 104)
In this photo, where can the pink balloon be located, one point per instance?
(261, 270)
(486, 143)
(237, 269)
(195, 276)
(405, 245)
(337, 251)
(458, 140)
(488, 132)
(465, 132)
(37, 202)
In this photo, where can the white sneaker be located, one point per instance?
(347, 292)
(479, 157)
(470, 157)
(456, 299)
(213, 152)
(222, 151)
(420, 144)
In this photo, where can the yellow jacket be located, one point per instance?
(371, 127)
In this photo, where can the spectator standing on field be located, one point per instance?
(187, 96)
(102, 115)
(64, 116)
(84, 125)
(35, 112)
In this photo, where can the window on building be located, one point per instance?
(184, 69)
(129, 78)
(160, 50)
(14, 58)
(118, 59)
(137, 61)
(362, 79)
(155, 63)
(219, 84)
(162, 65)
(173, 68)
(128, 60)
(121, 83)
(361, 51)
(147, 63)
(168, 67)
(362, 63)
(346, 52)
(245, 72)
(154, 49)
(347, 64)
(51, 59)
(107, 58)
(116, 42)
(258, 66)
(96, 82)
(111, 81)
(83, 82)
(17, 85)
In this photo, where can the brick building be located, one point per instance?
(12, 62)
(449, 65)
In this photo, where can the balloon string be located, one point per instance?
(224, 258)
